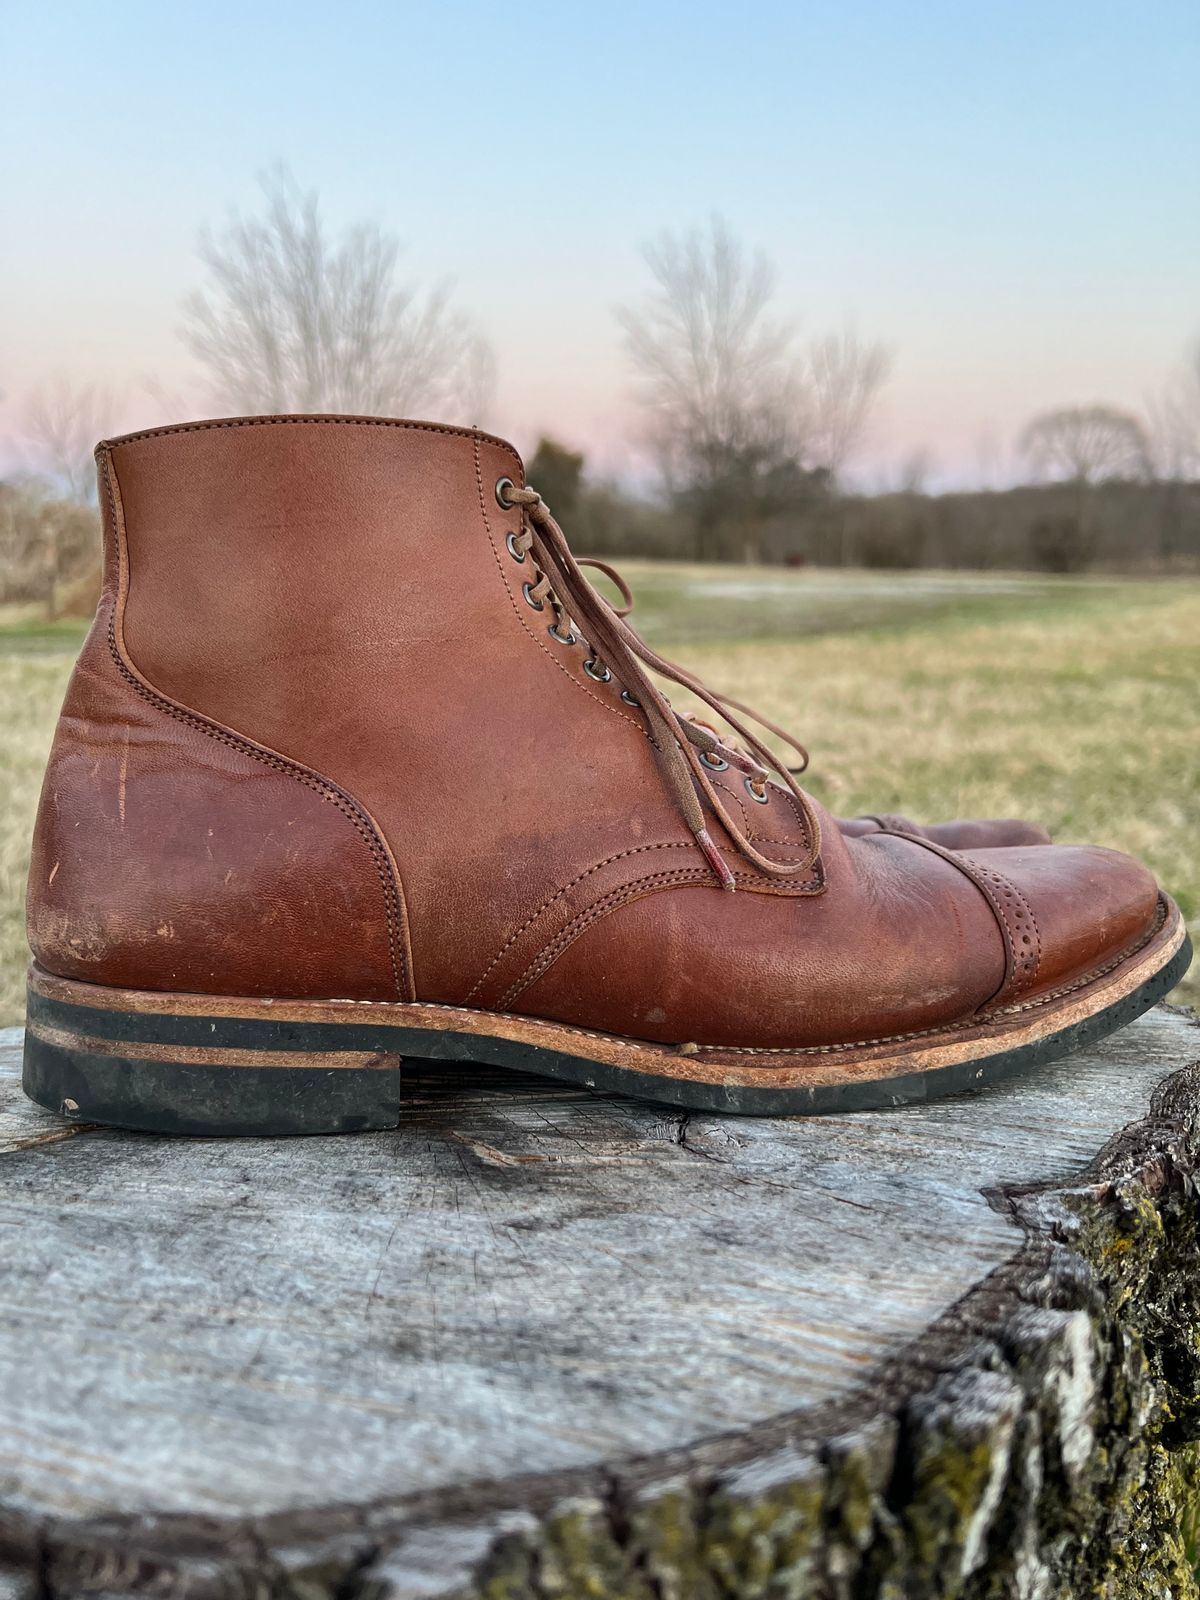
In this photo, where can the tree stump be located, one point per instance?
(544, 1343)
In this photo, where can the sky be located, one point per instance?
(1005, 194)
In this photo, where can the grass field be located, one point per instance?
(1075, 702)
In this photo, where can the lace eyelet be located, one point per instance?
(538, 605)
(630, 701)
(511, 542)
(762, 798)
(561, 638)
(716, 763)
(503, 485)
(597, 670)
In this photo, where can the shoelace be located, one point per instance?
(623, 611)
(680, 743)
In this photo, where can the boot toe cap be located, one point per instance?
(1089, 907)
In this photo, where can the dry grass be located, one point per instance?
(1088, 723)
(31, 689)
(1077, 704)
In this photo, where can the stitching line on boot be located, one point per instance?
(599, 908)
(808, 1050)
(1025, 967)
(677, 877)
(805, 839)
(297, 422)
(621, 855)
(1020, 970)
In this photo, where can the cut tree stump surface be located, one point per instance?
(413, 1359)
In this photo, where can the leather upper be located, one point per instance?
(319, 735)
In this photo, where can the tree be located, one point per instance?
(721, 384)
(1083, 446)
(745, 424)
(293, 320)
(1087, 445)
(1175, 421)
(1175, 429)
(64, 422)
(557, 474)
(846, 376)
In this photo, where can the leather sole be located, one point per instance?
(212, 1065)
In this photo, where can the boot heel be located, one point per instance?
(116, 1068)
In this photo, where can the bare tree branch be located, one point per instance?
(294, 321)
(1087, 445)
(708, 355)
(719, 381)
(846, 376)
(743, 422)
(64, 423)
(1175, 421)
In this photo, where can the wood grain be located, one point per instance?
(524, 1284)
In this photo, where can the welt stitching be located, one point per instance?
(570, 676)
(641, 849)
(317, 421)
(324, 787)
(821, 1049)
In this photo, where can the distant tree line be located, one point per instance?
(1120, 525)
(753, 432)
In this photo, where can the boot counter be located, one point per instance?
(169, 857)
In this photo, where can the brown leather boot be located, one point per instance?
(356, 765)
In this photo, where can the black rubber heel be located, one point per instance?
(204, 1100)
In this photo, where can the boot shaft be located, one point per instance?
(280, 572)
(170, 851)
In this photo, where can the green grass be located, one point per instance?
(1074, 702)
(679, 604)
(31, 637)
